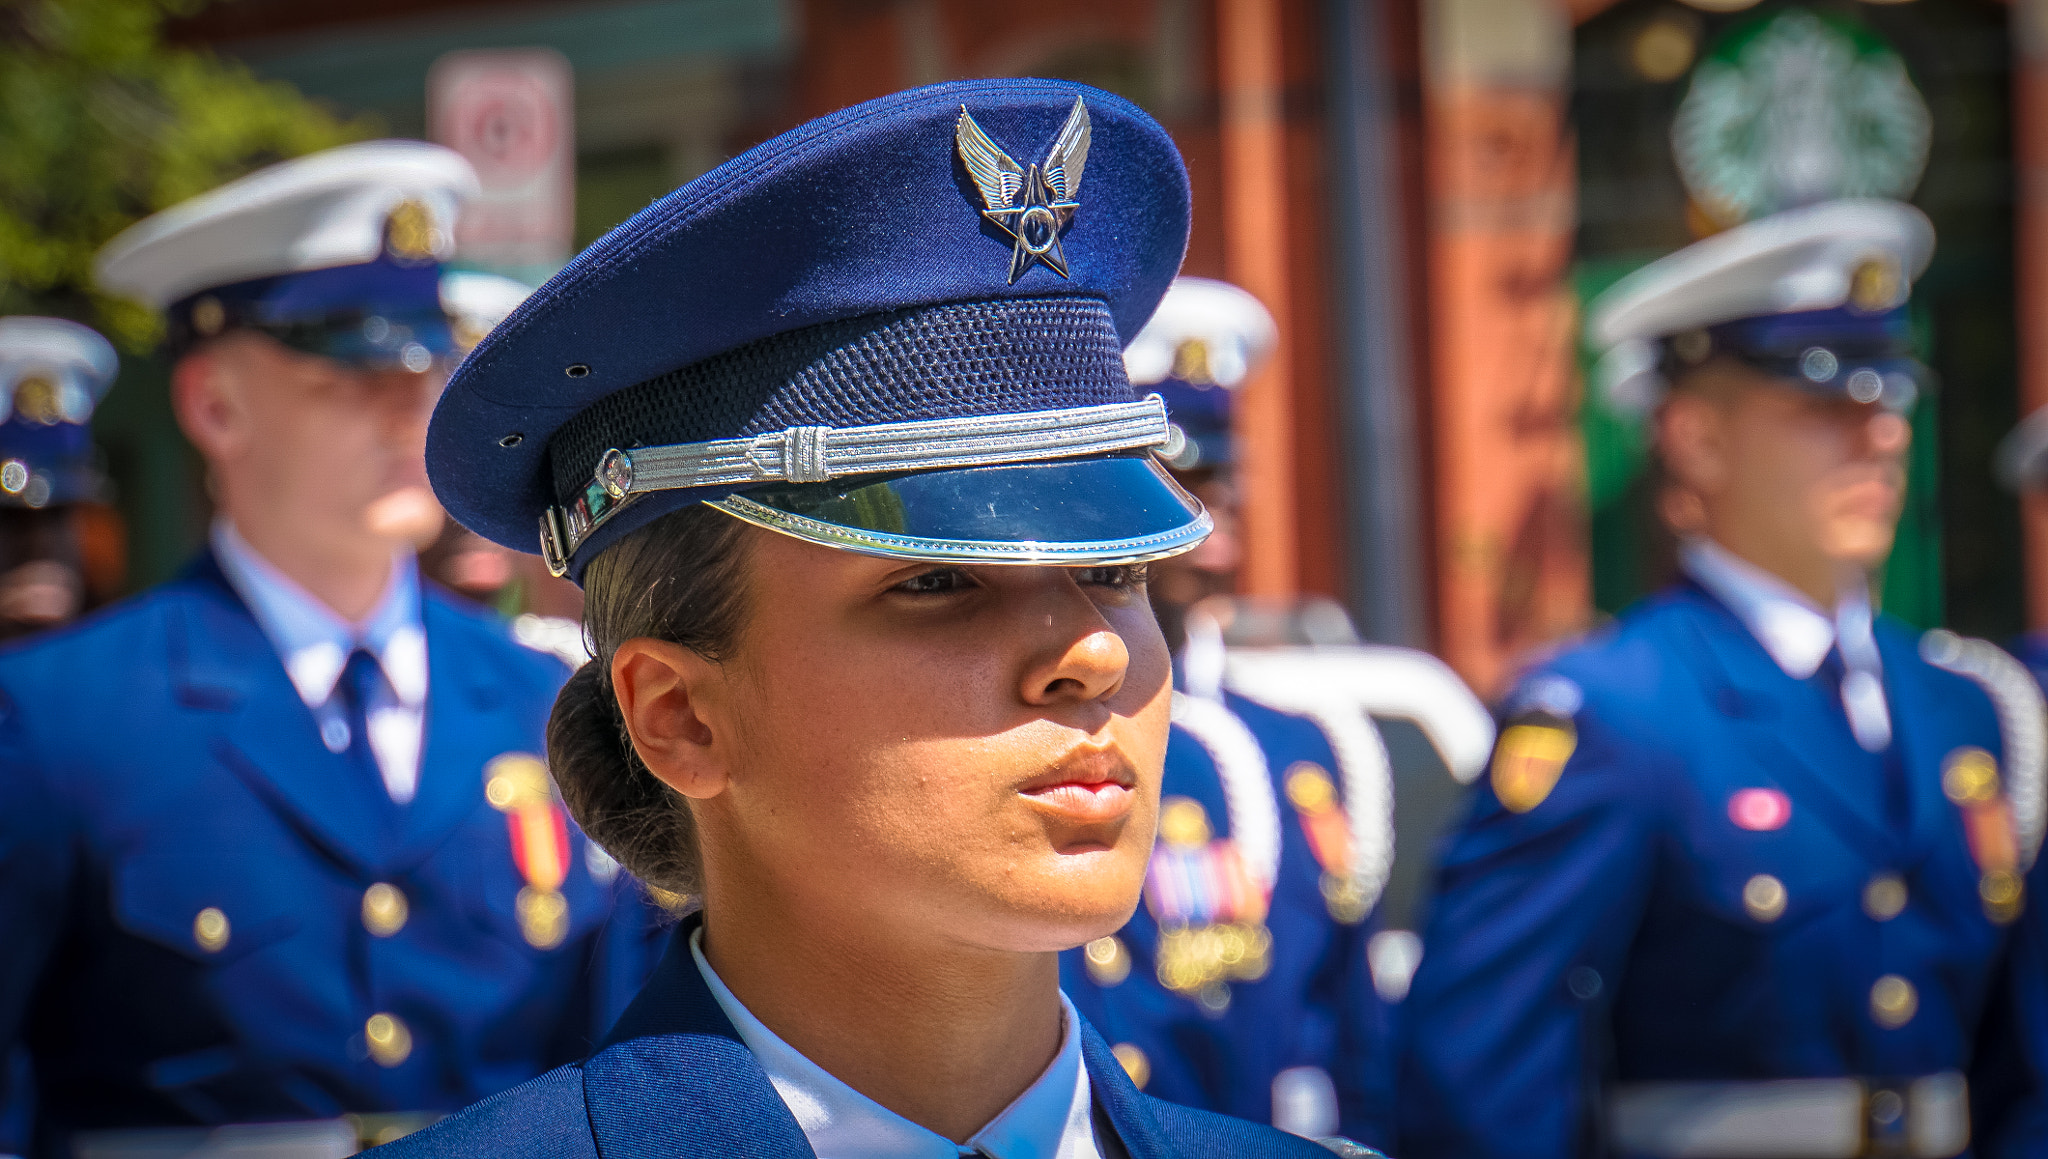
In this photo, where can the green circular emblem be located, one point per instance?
(1796, 108)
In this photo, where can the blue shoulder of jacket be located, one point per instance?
(1195, 1134)
(118, 634)
(543, 1118)
(1625, 670)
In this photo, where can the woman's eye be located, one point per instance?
(1129, 575)
(937, 582)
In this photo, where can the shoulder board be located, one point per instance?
(1247, 782)
(2022, 723)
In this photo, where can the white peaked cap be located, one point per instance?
(74, 355)
(1235, 326)
(480, 301)
(1802, 259)
(316, 212)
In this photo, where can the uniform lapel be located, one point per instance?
(1136, 1128)
(1765, 706)
(222, 663)
(674, 1080)
(468, 722)
(1922, 734)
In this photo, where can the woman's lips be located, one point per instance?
(1092, 804)
(1090, 786)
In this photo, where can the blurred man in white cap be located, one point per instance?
(52, 374)
(277, 859)
(1745, 868)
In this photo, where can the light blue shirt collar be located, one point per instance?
(313, 641)
(1795, 632)
(1798, 635)
(1053, 1119)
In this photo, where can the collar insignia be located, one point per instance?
(1032, 206)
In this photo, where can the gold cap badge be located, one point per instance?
(1876, 284)
(411, 233)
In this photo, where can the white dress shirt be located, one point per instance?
(314, 642)
(1798, 635)
(1053, 1119)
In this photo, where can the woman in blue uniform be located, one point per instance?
(839, 442)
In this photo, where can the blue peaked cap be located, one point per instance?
(369, 313)
(841, 275)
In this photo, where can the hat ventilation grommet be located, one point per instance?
(512, 440)
(577, 370)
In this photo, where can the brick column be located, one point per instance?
(1513, 569)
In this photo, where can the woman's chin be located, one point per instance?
(1084, 896)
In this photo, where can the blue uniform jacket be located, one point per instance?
(675, 1081)
(1603, 934)
(1314, 1007)
(156, 762)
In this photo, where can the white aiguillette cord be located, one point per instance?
(1362, 758)
(1240, 761)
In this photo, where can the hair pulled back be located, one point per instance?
(678, 579)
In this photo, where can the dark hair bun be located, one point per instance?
(619, 804)
(680, 578)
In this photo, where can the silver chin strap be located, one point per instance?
(818, 454)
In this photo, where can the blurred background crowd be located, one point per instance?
(1413, 466)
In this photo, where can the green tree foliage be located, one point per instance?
(103, 123)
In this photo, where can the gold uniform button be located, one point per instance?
(389, 1040)
(2003, 894)
(1108, 961)
(210, 930)
(1893, 1002)
(1764, 897)
(384, 909)
(1970, 776)
(1885, 897)
(1134, 1062)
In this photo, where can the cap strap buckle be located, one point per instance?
(816, 454)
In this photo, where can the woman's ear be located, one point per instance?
(665, 691)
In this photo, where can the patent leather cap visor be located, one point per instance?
(1114, 509)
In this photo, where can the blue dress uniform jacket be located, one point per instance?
(1314, 1006)
(156, 764)
(675, 1081)
(1615, 931)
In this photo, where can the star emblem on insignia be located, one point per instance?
(1033, 206)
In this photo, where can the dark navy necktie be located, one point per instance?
(362, 678)
(1833, 673)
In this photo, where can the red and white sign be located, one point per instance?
(512, 113)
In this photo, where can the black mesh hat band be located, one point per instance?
(1017, 413)
(952, 360)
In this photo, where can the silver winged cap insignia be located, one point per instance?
(1032, 206)
(1069, 154)
(994, 173)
